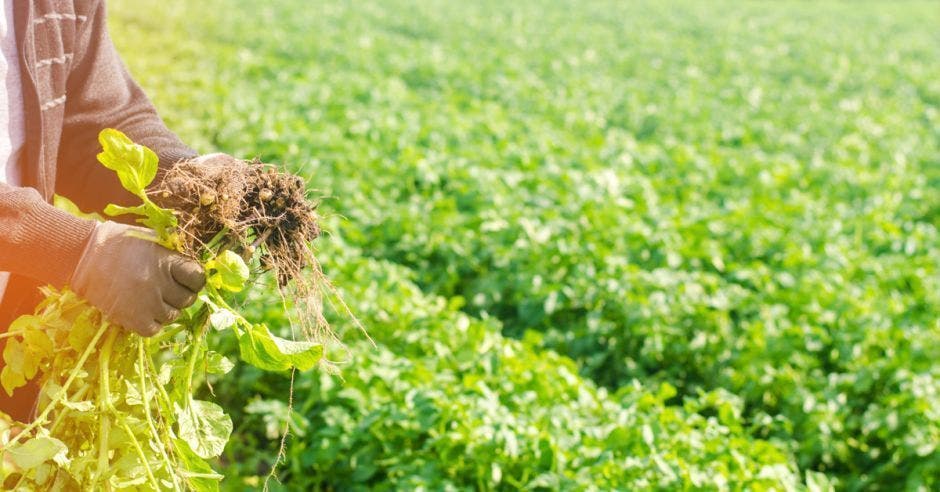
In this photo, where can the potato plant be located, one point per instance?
(118, 411)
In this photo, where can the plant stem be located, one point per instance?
(140, 454)
(166, 403)
(167, 334)
(68, 382)
(104, 426)
(141, 369)
(104, 361)
(61, 417)
(214, 242)
(191, 366)
(104, 404)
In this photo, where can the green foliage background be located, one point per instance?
(608, 245)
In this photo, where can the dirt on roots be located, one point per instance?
(250, 207)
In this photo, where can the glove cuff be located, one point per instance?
(76, 280)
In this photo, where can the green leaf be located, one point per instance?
(116, 210)
(62, 203)
(14, 355)
(205, 427)
(53, 391)
(135, 165)
(79, 406)
(162, 222)
(818, 482)
(25, 322)
(11, 380)
(227, 271)
(139, 479)
(303, 355)
(260, 348)
(217, 363)
(37, 451)
(173, 373)
(159, 220)
(199, 474)
(38, 343)
(276, 414)
(132, 395)
(82, 330)
(222, 319)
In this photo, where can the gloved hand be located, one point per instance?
(136, 283)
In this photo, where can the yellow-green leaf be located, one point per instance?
(10, 380)
(198, 473)
(62, 203)
(205, 427)
(260, 348)
(37, 451)
(227, 271)
(135, 165)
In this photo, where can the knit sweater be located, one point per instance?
(74, 85)
(12, 131)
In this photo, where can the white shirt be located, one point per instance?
(12, 125)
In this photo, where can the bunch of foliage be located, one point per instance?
(446, 402)
(119, 411)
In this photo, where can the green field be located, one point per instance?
(599, 245)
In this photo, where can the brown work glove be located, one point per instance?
(136, 283)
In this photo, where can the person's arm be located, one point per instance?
(38, 240)
(102, 94)
(138, 284)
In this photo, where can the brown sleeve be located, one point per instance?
(102, 94)
(38, 240)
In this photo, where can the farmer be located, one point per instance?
(63, 82)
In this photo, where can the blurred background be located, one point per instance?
(599, 245)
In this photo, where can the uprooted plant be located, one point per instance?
(117, 410)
